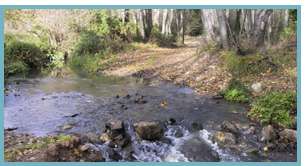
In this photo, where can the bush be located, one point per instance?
(17, 67)
(86, 63)
(89, 43)
(21, 57)
(245, 65)
(236, 92)
(274, 107)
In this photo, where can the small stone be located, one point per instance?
(171, 121)
(267, 133)
(32, 158)
(251, 130)
(196, 126)
(92, 137)
(52, 149)
(85, 147)
(229, 127)
(265, 148)
(114, 125)
(224, 138)
(67, 127)
(105, 137)
(252, 151)
(257, 87)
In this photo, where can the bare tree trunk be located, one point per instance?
(210, 24)
(260, 26)
(180, 25)
(223, 29)
(147, 23)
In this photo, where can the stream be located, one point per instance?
(44, 106)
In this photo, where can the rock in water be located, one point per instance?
(288, 136)
(267, 133)
(198, 150)
(224, 138)
(116, 125)
(229, 127)
(257, 87)
(85, 147)
(105, 137)
(115, 133)
(151, 131)
(67, 127)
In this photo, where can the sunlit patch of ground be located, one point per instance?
(185, 66)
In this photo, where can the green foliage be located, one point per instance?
(236, 92)
(86, 63)
(106, 35)
(89, 43)
(15, 67)
(21, 56)
(293, 16)
(245, 65)
(113, 27)
(274, 107)
(45, 141)
(288, 34)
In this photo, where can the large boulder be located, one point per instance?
(151, 131)
(224, 138)
(267, 134)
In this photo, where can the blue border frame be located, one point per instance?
(298, 7)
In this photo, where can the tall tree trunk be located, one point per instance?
(223, 29)
(260, 26)
(147, 23)
(210, 24)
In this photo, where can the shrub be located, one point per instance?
(274, 107)
(89, 43)
(236, 92)
(17, 67)
(20, 57)
(85, 63)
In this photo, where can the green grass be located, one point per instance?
(236, 92)
(274, 108)
(246, 65)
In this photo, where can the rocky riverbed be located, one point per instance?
(128, 119)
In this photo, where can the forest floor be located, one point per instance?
(182, 65)
(189, 66)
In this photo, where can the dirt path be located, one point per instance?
(182, 65)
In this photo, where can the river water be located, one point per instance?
(44, 106)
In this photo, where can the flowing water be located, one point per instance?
(44, 106)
